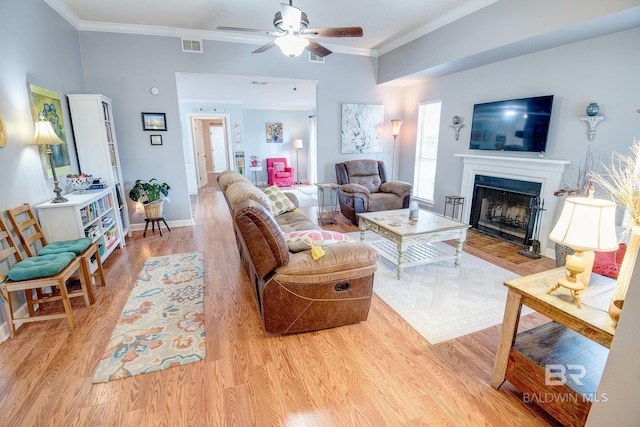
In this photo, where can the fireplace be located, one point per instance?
(547, 173)
(505, 208)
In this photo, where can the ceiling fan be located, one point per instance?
(293, 35)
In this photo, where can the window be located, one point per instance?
(424, 181)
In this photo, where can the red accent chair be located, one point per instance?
(279, 174)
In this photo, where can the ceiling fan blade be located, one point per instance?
(265, 47)
(250, 30)
(290, 17)
(317, 48)
(334, 32)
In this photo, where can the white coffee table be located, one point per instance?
(406, 243)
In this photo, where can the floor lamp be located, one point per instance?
(297, 144)
(395, 130)
(44, 135)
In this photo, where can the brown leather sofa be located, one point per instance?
(296, 293)
(364, 188)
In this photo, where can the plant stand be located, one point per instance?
(154, 221)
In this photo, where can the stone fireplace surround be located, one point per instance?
(547, 172)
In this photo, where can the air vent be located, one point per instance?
(192, 46)
(315, 58)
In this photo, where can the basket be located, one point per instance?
(154, 209)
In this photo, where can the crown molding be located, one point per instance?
(151, 30)
(223, 36)
(64, 11)
(459, 12)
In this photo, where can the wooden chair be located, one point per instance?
(29, 231)
(67, 266)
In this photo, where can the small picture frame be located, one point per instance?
(156, 139)
(154, 121)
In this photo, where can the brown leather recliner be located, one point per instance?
(364, 188)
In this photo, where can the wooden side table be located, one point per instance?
(154, 221)
(256, 172)
(327, 211)
(557, 365)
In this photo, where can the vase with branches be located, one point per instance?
(621, 180)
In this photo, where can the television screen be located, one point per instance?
(512, 125)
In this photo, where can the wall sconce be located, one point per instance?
(3, 132)
(457, 125)
(592, 118)
(45, 135)
(395, 130)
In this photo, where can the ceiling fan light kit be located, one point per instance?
(293, 35)
(292, 46)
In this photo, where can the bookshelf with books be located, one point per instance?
(96, 143)
(92, 214)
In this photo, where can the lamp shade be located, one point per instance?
(297, 144)
(395, 127)
(291, 45)
(587, 224)
(44, 134)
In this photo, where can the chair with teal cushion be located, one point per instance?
(40, 266)
(27, 227)
(76, 246)
(33, 274)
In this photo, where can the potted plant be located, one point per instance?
(151, 194)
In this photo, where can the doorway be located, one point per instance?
(209, 135)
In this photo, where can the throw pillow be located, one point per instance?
(280, 203)
(298, 241)
(608, 263)
(278, 166)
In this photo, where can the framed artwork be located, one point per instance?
(236, 133)
(154, 121)
(47, 102)
(274, 132)
(156, 139)
(362, 128)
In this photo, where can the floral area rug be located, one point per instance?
(162, 323)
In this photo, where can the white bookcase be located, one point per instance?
(96, 143)
(91, 214)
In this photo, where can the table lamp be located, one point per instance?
(297, 144)
(586, 225)
(45, 135)
(395, 130)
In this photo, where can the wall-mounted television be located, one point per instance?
(512, 125)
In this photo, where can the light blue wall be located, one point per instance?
(294, 125)
(45, 53)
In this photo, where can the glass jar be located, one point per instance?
(413, 211)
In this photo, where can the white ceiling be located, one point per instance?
(386, 24)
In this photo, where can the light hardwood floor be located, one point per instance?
(376, 373)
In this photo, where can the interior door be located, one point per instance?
(218, 148)
(201, 153)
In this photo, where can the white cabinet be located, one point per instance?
(95, 138)
(91, 214)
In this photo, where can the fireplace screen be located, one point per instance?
(505, 208)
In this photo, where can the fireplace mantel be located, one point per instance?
(548, 172)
